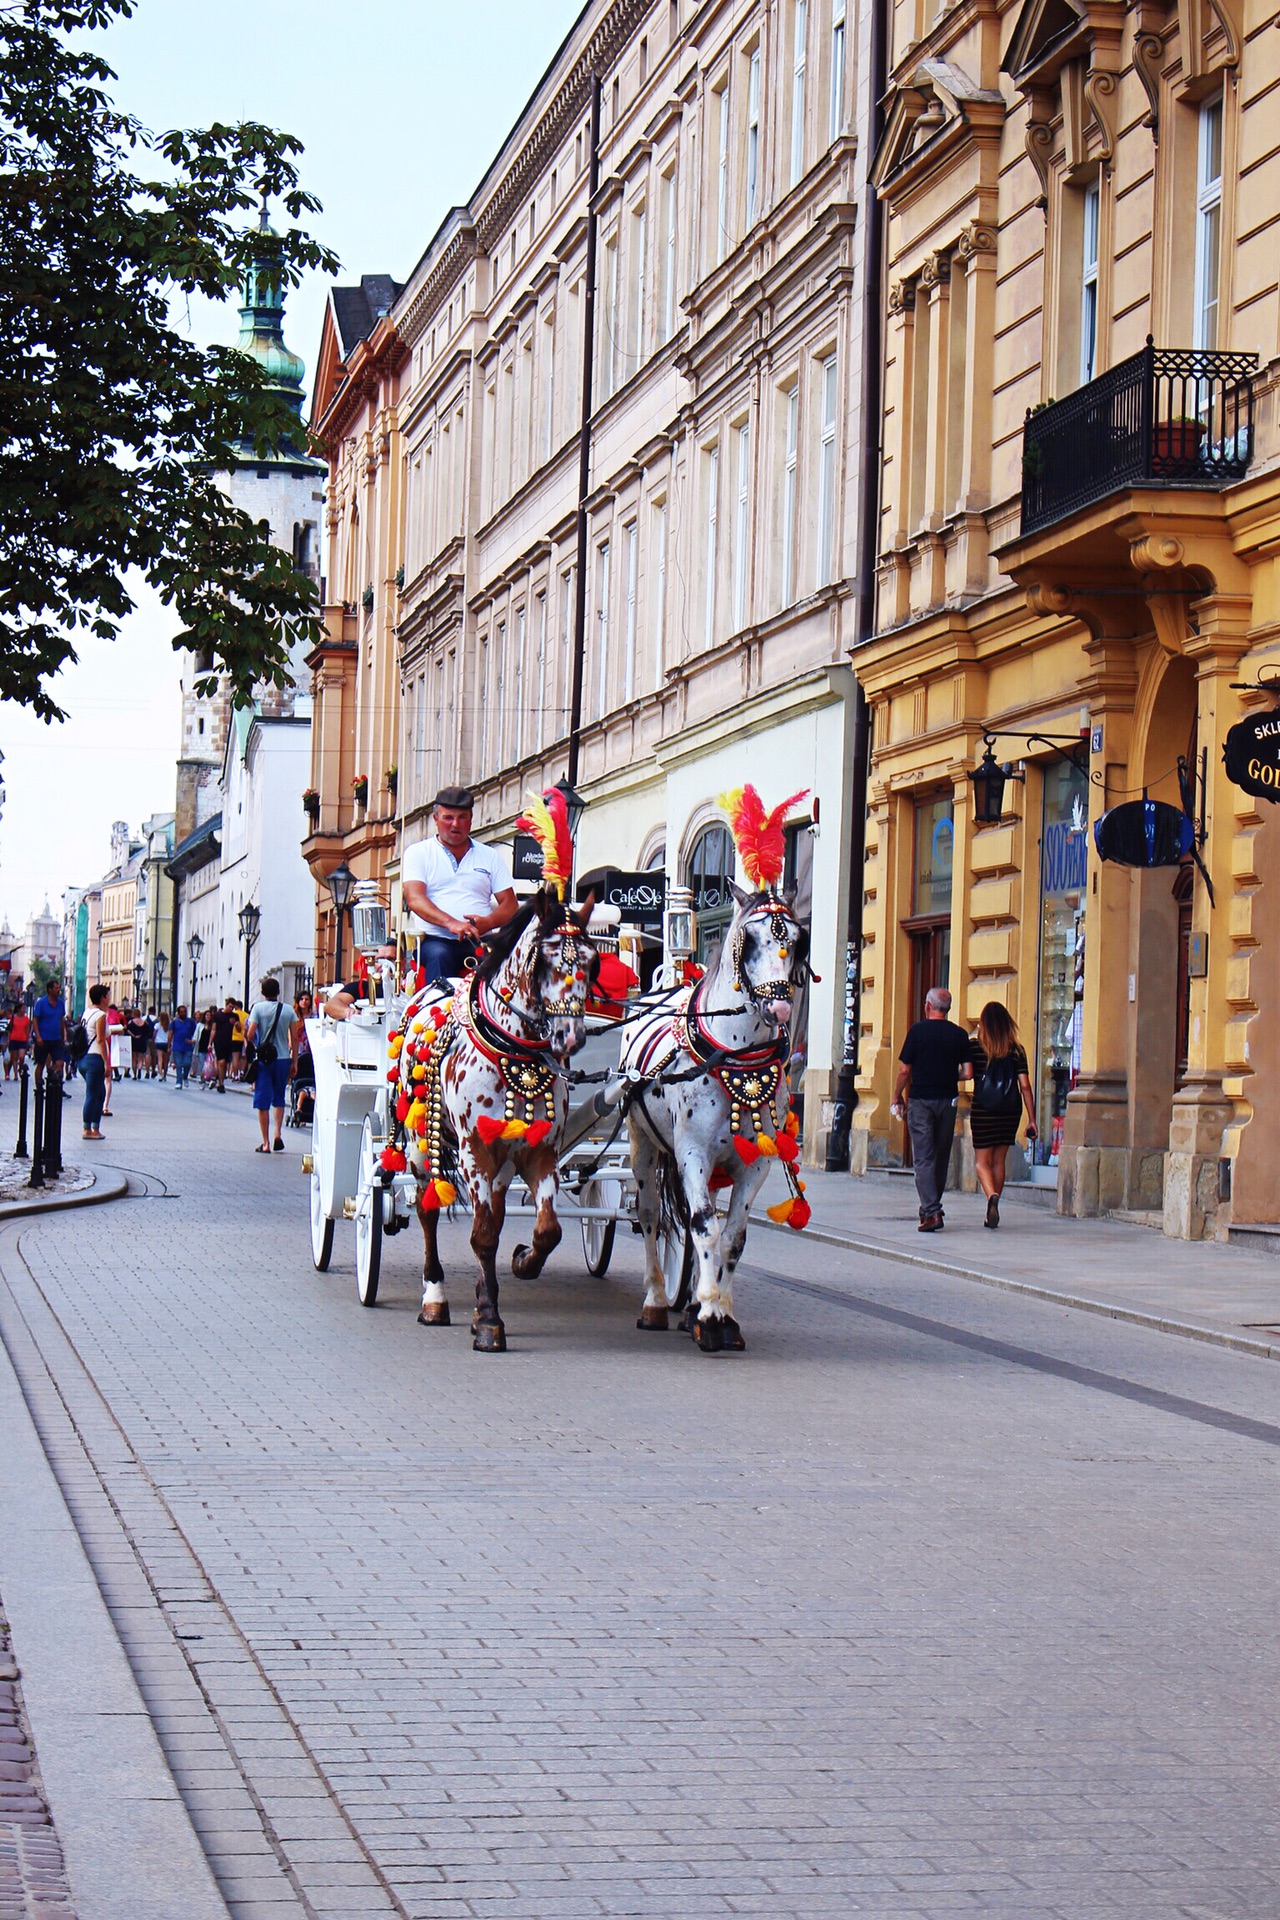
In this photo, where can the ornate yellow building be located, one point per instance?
(1080, 523)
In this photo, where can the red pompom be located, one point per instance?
(489, 1130)
(537, 1133)
(429, 1199)
(787, 1148)
(800, 1216)
(393, 1161)
(393, 1074)
(748, 1151)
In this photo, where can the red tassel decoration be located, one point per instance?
(748, 1151)
(537, 1133)
(489, 1129)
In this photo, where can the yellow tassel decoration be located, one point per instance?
(446, 1192)
(781, 1213)
(765, 1143)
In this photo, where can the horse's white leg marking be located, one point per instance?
(733, 1234)
(644, 1165)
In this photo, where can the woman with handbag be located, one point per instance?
(1001, 1089)
(272, 1032)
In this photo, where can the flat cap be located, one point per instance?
(460, 797)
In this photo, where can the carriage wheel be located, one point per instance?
(369, 1203)
(598, 1235)
(675, 1256)
(321, 1225)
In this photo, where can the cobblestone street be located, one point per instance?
(938, 1600)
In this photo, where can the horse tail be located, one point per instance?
(673, 1208)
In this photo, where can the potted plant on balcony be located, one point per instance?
(311, 802)
(366, 599)
(1175, 443)
(393, 782)
(360, 788)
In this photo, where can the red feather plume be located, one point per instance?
(758, 835)
(547, 820)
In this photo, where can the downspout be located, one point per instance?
(584, 440)
(846, 1098)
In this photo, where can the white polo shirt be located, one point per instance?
(460, 888)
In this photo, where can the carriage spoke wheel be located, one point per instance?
(598, 1235)
(369, 1204)
(321, 1225)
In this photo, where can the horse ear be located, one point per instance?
(741, 897)
(789, 898)
(583, 919)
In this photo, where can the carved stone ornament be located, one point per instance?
(976, 238)
(936, 271)
(1100, 91)
(1039, 143)
(1148, 58)
(902, 296)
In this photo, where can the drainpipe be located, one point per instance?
(838, 1140)
(584, 440)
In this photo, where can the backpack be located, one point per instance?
(78, 1045)
(996, 1088)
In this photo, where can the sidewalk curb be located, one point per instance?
(107, 1185)
(130, 1849)
(1133, 1316)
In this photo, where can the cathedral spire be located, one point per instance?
(262, 326)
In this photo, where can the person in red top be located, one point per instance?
(19, 1040)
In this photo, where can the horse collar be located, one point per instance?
(697, 1042)
(493, 1040)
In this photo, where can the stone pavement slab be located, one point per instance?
(1227, 1294)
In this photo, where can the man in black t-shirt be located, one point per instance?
(934, 1059)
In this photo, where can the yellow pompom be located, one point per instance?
(514, 1130)
(395, 1047)
(766, 1145)
(781, 1213)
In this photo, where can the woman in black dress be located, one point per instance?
(1001, 1089)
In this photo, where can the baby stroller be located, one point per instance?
(302, 1103)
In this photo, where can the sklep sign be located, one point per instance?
(1252, 754)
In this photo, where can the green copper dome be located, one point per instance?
(261, 330)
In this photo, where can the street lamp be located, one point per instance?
(195, 947)
(162, 967)
(574, 804)
(341, 884)
(250, 918)
(139, 975)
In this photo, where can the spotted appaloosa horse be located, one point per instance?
(711, 1055)
(498, 1049)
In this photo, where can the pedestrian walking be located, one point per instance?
(136, 1028)
(163, 1042)
(933, 1061)
(19, 1040)
(1001, 1089)
(153, 1062)
(454, 888)
(182, 1035)
(237, 1041)
(224, 1028)
(95, 1067)
(272, 1030)
(49, 1037)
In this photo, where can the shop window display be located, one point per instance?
(1063, 879)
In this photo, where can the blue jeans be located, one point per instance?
(94, 1074)
(442, 958)
(181, 1064)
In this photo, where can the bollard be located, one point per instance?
(37, 1135)
(52, 1124)
(20, 1151)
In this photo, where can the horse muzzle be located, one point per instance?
(565, 1035)
(777, 1012)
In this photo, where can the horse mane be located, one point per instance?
(502, 943)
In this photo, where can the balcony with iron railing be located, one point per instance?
(1166, 417)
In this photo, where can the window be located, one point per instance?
(497, 693)
(668, 217)
(635, 319)
(673, 17)
(753, 136)
(798, 39)
(629, 632)
(644, 61)
(602, 628)
(835, 123)
(711, 481)
(609, 319)
(482, 678)
(660, 590)
(1208, 223)
(740, 527)
(722, 172)
(566, 638)
(549, 383)
(1089, 284)
(791, 446)
(517, 691)
(827, 474)
(540, 712)
(712, 871)
(617, 103)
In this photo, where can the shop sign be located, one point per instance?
(639, 897)
(526, 858)
(1252, 755)
(1145, 833)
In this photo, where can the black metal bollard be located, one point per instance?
(20, 1151)
(37, 1135)
(53, 1124)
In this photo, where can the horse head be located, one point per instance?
(564, 971)
(768, 951)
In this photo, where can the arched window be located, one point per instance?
(712, 868)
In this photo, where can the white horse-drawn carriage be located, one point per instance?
(465, 1088)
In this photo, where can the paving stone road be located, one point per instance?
(936, 1601)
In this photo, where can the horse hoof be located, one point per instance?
(653, 1320)
(708, 1335)
(435, 1313)
(490, 1338)
(731, 1335)
(688, 1320)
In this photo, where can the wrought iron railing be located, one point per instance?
(1165, 417)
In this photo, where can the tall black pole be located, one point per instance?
(248, 949)
(337, 961)
(838, 1140)
(584, 440)
(193, 989)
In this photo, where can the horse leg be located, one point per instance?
(644, 1166)
(435, 1308)
(704, 1225)
(733, 1238)
(540, 1177)
(489, 1206)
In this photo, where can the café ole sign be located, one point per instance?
(1252, 754)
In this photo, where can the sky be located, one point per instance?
(400, 105)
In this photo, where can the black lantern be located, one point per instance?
(162, 967)
(250, 919)
(988, 779)
(341, 884)
(574, 805)
(195, 947)
(139, 975)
